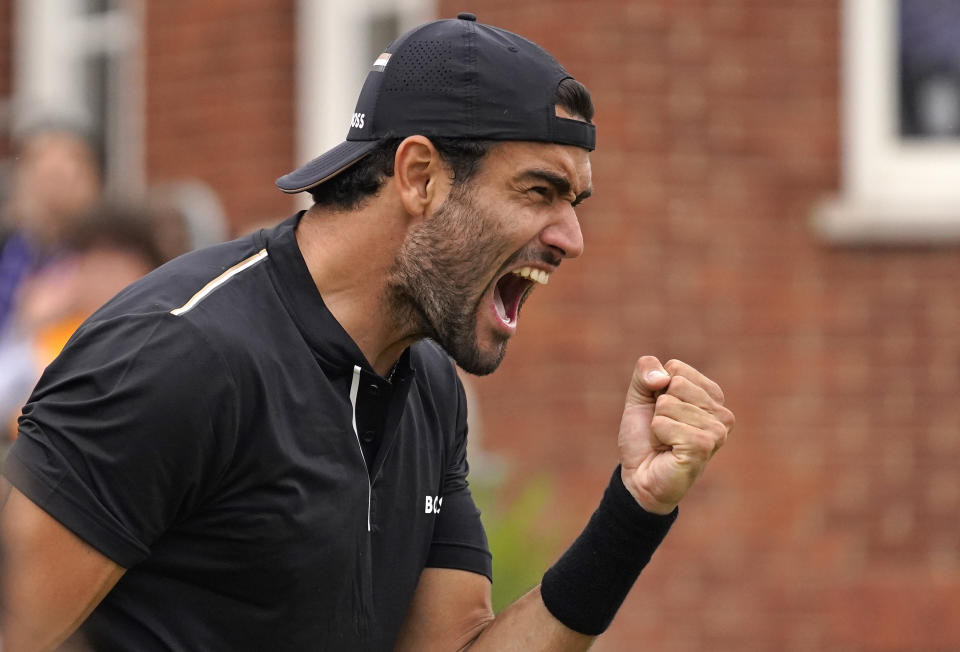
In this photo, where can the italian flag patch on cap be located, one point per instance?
(381, 61)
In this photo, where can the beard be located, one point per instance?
(441, 274)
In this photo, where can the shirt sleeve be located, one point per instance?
(126, 431)
(459, 540)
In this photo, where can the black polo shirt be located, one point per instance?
(206, 430)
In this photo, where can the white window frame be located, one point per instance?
(894, 190)
(53, 39)
(332, 47)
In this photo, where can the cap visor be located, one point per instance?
(327, 165)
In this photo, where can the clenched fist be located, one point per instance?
(673, 422)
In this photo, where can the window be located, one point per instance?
(901, 124)
(80, 61)
(337, 43)
(928, 58)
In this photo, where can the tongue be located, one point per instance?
(507, 296)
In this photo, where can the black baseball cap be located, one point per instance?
(453, 78)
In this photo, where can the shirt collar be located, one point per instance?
(331, 344)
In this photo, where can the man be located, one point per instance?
(261, 446)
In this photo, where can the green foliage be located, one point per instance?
(522, 537)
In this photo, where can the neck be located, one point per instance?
(349, 255)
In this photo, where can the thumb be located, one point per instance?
(649, 379)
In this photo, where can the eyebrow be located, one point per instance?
(559, 182)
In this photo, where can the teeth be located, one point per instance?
(537, 275)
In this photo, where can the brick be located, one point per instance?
(235, 64)
(943, 493)
(825, 523)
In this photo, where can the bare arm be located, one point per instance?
(451, 610)
(674, 420)
(51, 579)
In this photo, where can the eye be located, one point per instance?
(543, 191)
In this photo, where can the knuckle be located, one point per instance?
(659, 422)
(728, 418)
(720, 442)
(666, 399)
(719, 432)
(718, 391)
(679, 383)
(704, 442)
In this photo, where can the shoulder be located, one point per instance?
(138, 336)
(183, 283)
(191, 301)
(154, 353)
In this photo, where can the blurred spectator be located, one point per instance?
(189, 216)
(66, 259)
(102, 252)
(55, 177)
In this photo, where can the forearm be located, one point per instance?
(578, 598)
(673, 422)
(527, 625)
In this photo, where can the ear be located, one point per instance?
(422, 178)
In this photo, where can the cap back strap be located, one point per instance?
(573, 132)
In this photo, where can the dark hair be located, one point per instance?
(575, 99)
(364, 179)
(114, 225)
(349, 189)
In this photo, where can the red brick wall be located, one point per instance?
(220, 100)
(829, 522)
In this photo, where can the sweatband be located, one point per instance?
(589, 582)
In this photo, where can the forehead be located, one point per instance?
(509, 160)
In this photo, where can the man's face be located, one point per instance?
(463, 273)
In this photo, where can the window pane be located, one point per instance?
(929, 58)
(100, 6)
(96, 67)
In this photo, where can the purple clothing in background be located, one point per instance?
(17, 260)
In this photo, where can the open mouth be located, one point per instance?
(512, 289)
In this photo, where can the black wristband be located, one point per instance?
(589, 582)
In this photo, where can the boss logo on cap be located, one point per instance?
(357, 120)
(381, 62)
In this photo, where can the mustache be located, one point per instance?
(534, 254)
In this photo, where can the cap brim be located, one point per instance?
(327, 165)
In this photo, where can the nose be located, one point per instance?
(563, 233)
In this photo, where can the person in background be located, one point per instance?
(100, 252)
(56, 176)
(188, 215)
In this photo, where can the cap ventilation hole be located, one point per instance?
(421, 67)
